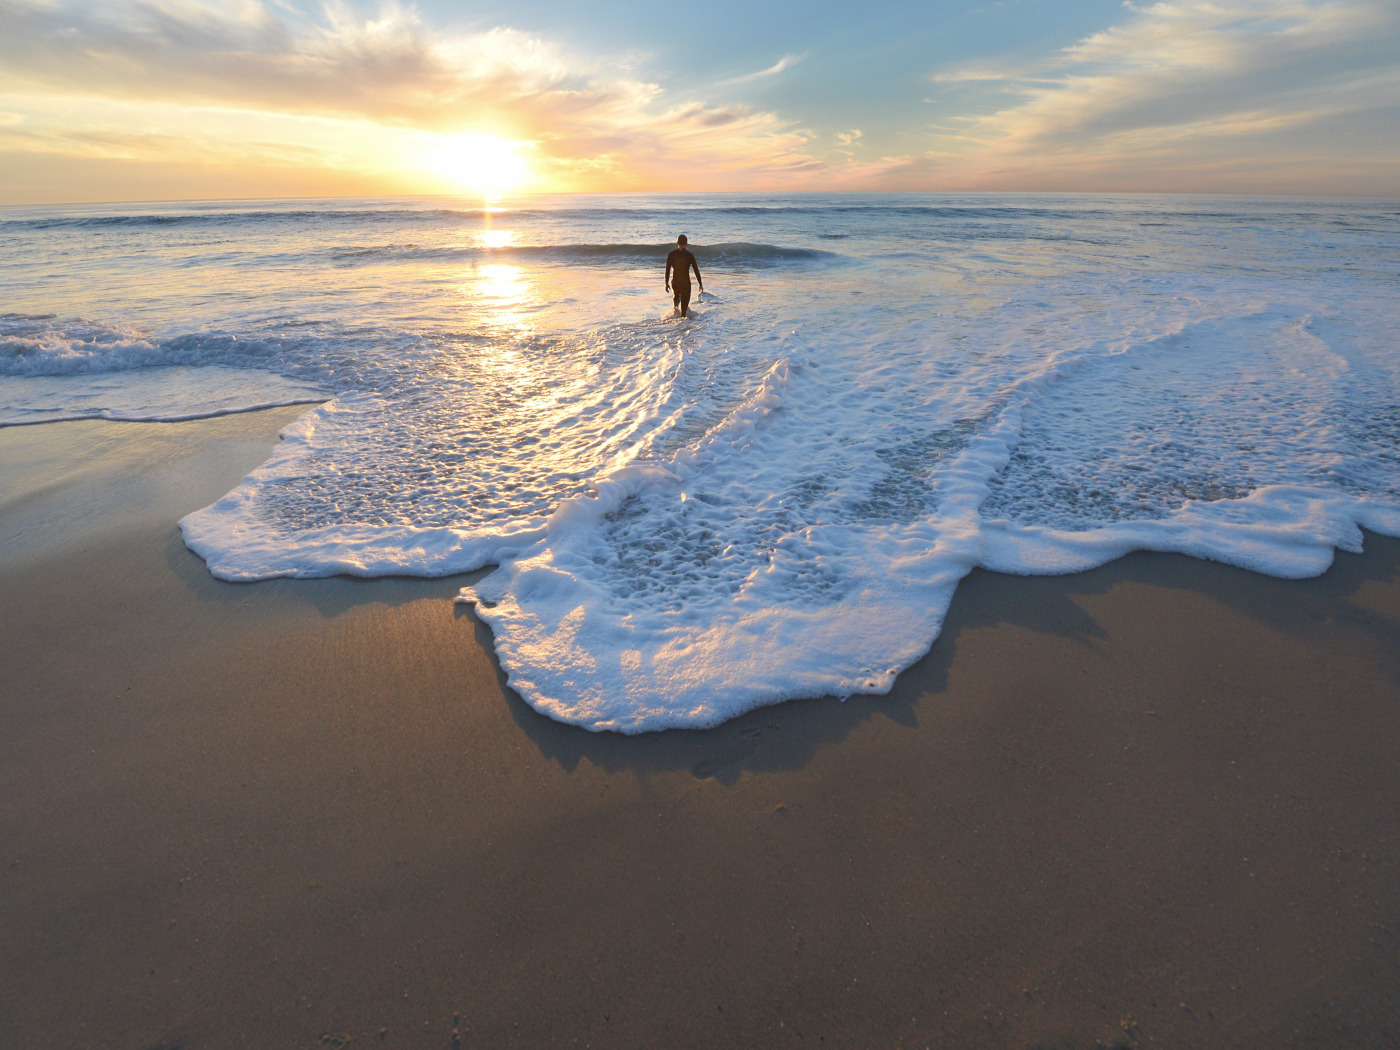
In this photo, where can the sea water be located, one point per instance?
(777, 496)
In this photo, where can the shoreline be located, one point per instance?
(196, 417)
(1148, 803)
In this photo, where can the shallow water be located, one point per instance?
(776, 497)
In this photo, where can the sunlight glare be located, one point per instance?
(503, 295)
(482, 164)
(503, 283)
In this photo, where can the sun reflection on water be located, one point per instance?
(503, 293)
(497, 238)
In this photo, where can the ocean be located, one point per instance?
(777, 496)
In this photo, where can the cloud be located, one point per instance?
(784, 63)
(1248, 95)
(249, 55)
(1185, 86)
(193, 64)
(974, 75)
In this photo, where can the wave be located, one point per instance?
(42, 345)
(440, 216)
(738, 254)
(360, 217)
(783, 497)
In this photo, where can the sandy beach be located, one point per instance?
(1149, 805)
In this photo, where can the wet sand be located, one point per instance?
(1154, 804)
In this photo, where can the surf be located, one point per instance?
(686, 520)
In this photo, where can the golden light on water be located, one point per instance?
(503, 283)
(497, 238)
(504, 293)
(478, 164)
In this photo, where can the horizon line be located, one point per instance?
(489, 202)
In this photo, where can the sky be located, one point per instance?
(194, 99)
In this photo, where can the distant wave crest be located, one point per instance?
(441, 216)
(950, 211)
(737, 254)
(340, 217)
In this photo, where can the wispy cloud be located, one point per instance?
(1177, 89)
(250, 54)
(784, 63)
(975, 75)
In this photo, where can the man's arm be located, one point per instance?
(695, 265)
(668, 273)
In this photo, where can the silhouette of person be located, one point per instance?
(678, 266)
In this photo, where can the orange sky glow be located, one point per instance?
(189, 99)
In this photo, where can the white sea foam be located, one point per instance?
(42, 346)
(777, 497)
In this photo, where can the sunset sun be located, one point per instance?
(468, 162)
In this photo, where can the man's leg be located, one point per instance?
(685, 300)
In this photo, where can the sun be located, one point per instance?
(481, 164)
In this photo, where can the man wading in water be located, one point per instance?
(678, 266)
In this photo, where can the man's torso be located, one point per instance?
(679, 260)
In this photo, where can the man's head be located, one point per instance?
(681, 240)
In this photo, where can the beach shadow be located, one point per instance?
(771, 739)
(788, 735)
(1301, 609)
(1298, 608)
